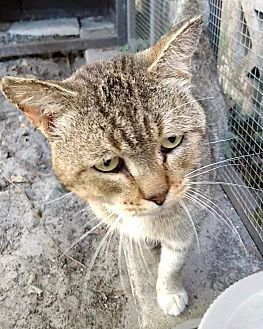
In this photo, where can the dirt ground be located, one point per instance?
(39, 220)
(38, 289)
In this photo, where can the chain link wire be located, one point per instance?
(236, 34)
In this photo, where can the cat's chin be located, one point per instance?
(161, 211)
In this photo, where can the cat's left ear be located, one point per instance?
(41, 101)
(172, 55)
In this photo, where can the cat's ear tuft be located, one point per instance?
(173, 53)
(41, 101)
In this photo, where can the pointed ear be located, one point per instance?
(41, 101)
(172, 55)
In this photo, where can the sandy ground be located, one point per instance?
(40, 290)
(37, 289)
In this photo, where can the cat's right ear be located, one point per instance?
(41, 101)
(172, 55)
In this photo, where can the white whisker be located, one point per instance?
(224, 183)
(108, 244)
(230, 224)
(80, 212)
(119, 259)
(221, 140)
(222, 161)
(130, 269)
(182, 203)
(216, 213)
(82, 237)
(215, 168)
(150, 253)
(57, 199)
(144, 261)
(101, 244)
(131, 246)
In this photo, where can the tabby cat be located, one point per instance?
(125, 136)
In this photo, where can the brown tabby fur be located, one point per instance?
(124, 107)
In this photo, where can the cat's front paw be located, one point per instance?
(172, 304)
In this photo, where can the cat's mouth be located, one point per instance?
(165, 210)
(144, 209)
(148, 208)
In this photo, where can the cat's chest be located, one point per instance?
(159, 228)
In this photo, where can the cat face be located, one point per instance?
(124, 132)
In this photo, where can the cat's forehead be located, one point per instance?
(125, 131)
(123, 86)
(116, 95)
(122, 106)
(121, 80)
(113, 109)
(125, 67)
(127, 64)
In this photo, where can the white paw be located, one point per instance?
(172, 304)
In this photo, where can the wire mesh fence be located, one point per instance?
(236, 34)
(148, 21)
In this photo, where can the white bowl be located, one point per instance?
(239, 307)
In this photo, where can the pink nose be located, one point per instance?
(158, 198)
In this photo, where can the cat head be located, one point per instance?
(123, 132)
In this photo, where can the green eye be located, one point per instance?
(171, 142)
(108, 165)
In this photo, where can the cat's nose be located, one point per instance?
(158, 198)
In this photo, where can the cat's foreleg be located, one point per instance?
(171, 295)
